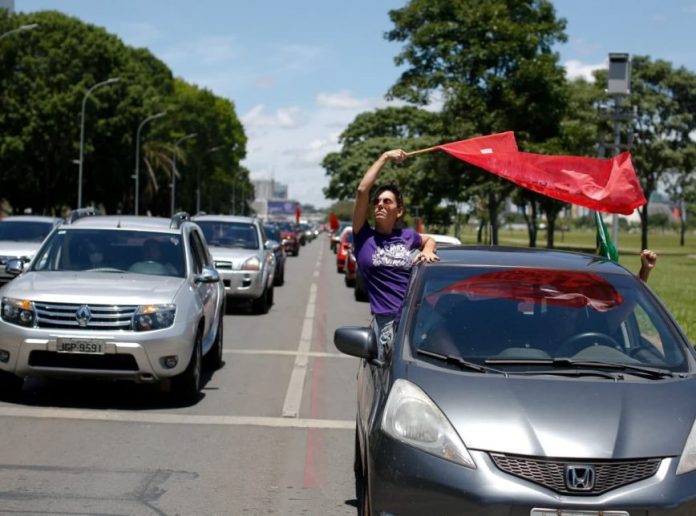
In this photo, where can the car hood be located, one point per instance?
(94, 287)
(233, 254)
(18, 249)
(564, 417)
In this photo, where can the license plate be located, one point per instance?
(88, 346)
(566, 512)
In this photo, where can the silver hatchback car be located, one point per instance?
(526, 382)
(116, 297)
(243, 256)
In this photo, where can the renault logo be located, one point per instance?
(83, 316)
(580, 478)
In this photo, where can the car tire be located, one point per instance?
(359, 293)
(213, 359)
(186, 386)
(279, 278)
(10, 385)
(349, 282)
(261, 305)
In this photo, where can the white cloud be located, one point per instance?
(257, 117)
(293, 155)
(341, 100)
(208, 50)
(576, 69)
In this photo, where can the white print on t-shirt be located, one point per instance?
(394, 255)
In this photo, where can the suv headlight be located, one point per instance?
(18, 311)
(687, 461)
(411, 417)
(153, 317)
(252, 264)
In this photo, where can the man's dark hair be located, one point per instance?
(393, 188)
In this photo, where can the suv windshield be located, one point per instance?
(24, 231)
(230, 234)
(112, 250)
(514, 317)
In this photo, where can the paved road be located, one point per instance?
(272, 433)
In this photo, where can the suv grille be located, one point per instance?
(103, 317)
(551, 473)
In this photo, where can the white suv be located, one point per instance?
(118, 297)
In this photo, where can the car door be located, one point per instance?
(208, 293)
(268, 256)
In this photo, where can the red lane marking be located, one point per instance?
(316, 378)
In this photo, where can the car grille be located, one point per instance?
(104, 317)
(551, 473)
(110, 362)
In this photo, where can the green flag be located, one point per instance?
(605, 247)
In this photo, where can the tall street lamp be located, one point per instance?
(21, 28)
(136, 175)
(82, 133)
(198, 178)
(176, 145)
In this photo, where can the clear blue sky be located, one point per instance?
(299, 71)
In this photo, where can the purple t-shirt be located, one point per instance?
(385, 263)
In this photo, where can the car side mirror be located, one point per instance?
(356, 341)
(208, 275)
(14, 267)
(272, 245)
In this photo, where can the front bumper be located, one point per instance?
(407, 481)
(243, 284)
(128, 355)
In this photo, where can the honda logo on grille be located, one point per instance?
(83, 315)
(580, 478)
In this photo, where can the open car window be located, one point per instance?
(526, 314)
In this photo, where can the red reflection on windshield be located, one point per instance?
(572, 289)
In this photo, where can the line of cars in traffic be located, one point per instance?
(128, 297)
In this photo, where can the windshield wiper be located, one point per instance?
(653, 372)
(459, 361)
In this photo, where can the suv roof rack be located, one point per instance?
(79, 214)
(178, 218)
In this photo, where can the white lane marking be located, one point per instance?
(313, 354)
(174, 419)
(293, 396)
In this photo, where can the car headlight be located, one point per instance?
(18, 311)
(153, 317)
(687, 462)
(252, 264)
(411, 417)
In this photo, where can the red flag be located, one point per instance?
(333, 222)
(298, 213)
(608, 185)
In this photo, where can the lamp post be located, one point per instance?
(82, 134)
(136, 175)
(21, 28)
(618, 87)
(198, 178)
(176, 144)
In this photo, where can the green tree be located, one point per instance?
(492, 66)
(663, 100)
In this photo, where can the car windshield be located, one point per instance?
(230, 234)
(24, 231)
(112, 250)
(519, 317)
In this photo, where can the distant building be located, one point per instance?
(269, 189)
(7, 4)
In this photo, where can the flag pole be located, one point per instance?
(421, 151)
